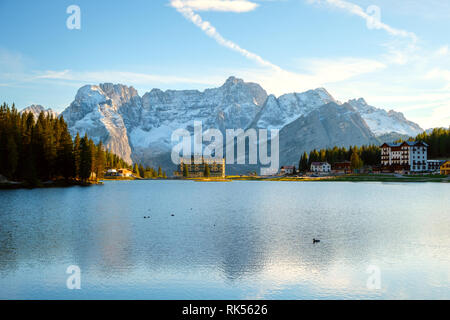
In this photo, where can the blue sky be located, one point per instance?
(400, 60)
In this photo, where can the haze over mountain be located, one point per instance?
(139, 128)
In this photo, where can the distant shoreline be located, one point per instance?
(10, 185)
(13, 185)
(343, 178)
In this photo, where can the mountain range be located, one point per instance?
(139, 128)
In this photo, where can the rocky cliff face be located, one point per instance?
(140, 128)
(102, 112)
(325, 127)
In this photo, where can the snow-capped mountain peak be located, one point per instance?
(232, 80)
(36, 109)
(382, 122)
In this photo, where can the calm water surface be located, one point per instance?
(227, 240)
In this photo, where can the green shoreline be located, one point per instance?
(346, 178)
(351, 178)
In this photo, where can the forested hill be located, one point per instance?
(37, 150)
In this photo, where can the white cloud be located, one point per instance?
(216, 5)
(60, 75)
(440, 74)
(276, 79)
(80, 78)
(334, 70)
(370, 19)
(128, 78)
(209, 30)
(316, 73)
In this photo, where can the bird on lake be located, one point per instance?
(316, 240)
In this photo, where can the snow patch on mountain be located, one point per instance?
(382, 122)
(278, 113)
(159, 135)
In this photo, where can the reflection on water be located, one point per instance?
(236, 240)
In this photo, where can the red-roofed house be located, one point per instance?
(287, 170)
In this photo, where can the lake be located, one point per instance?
(227, 240)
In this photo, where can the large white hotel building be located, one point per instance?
(408, 156)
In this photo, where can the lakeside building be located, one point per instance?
(445, 168)
(320, 167)
(342, 167)
(119, 173)
(124, 173)
(404, 157)
(435, 165)
(196, 167)
(287, 170)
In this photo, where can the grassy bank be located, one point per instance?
(206, 179)
(388, 178)
(119, 178)
(350, 178)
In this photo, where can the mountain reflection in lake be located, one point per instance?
(240, 240)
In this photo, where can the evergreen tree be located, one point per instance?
(13, 157)
(85, 159)
(207, 172)
(439, 142)
(303, 164)
(77, 154)
(136, 170)
(314, 156)
(66, 159)
(185, 171)
(101, 161)
(141, 171)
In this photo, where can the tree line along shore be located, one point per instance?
(438, 140)
(41, 152)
